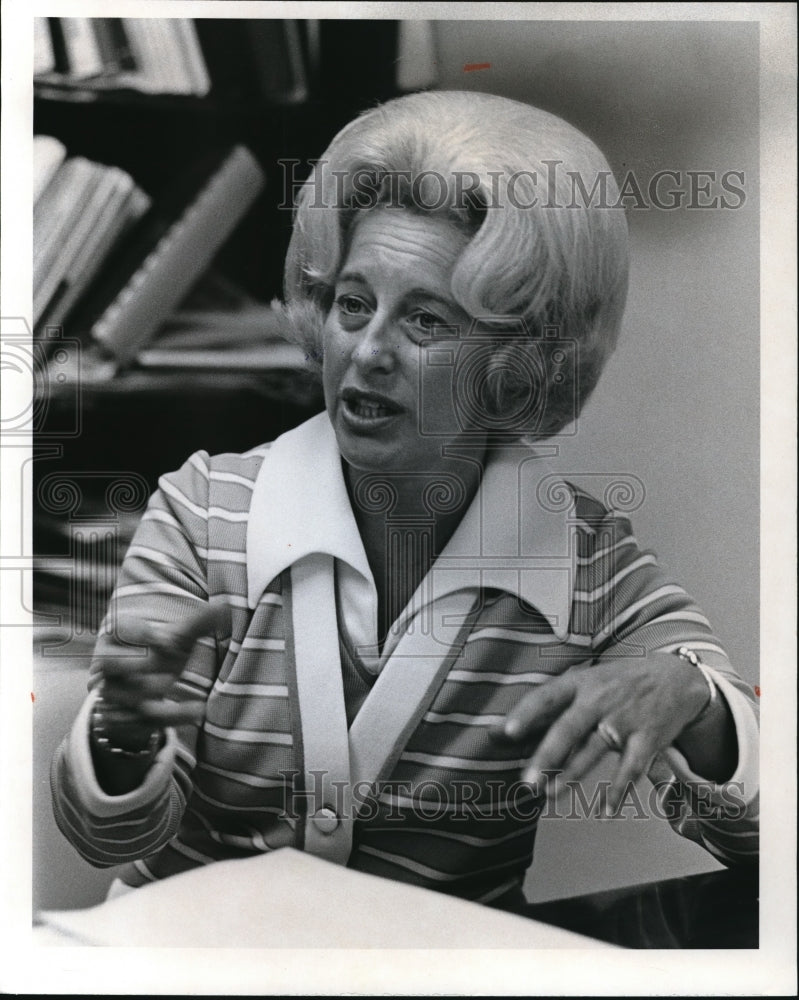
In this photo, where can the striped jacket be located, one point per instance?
(553, 579)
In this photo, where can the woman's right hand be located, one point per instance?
(138, 686)
(136, 693)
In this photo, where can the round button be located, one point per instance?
(325, 820)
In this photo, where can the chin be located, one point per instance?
(371, 460)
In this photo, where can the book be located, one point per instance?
(72, 241)
(120, 204)
(121, 212)
(238, 59)
(192, 55)
(127, 256)
(416, 56)
(167, 56)
(279, 59)
(119, 50)
(107, 44)
(170, 253)
(82, 51)
(43, 56)
(243, 337)
(56, 209)
(149, 55)
(87, 54)
(265, 357)
(311, 46)
(54, 215)
(61, 64)
(48, 155)
(149, 75)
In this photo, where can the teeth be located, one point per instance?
(362, 408)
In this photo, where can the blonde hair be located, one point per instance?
(508, 173)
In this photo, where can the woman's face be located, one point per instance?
(388, 369)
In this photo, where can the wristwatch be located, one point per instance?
(150, 744)
(692, 657)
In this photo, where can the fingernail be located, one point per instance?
(532, 776)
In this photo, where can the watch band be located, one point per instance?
(692, 657)
(103, 742)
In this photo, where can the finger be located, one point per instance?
(139, 685)
(170, 713)
(536, 712)
(208, 618)
(140, 651)
(635, 760)
(568, 733)
(154, 712)
(171, 641)
(591, 752)
(117, 716)
(126, 669)
(137, 688)
(167, 644)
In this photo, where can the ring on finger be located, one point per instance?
(610, 735)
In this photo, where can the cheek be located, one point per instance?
(435, 381)
(334, 361)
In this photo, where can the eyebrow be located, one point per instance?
(427, 294)
(417, 292)
(352, 276)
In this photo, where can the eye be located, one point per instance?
(353, 311)
(426, 321)
(351, 305)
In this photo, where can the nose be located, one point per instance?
(376, 350)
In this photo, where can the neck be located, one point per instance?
(405, 521)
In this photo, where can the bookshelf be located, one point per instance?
(100, 416)
(153, 136)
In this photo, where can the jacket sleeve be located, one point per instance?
(636, 609)
(162, 577)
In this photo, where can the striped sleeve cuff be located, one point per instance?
(91, 796)
(746, 778)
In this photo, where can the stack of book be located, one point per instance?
(113, 263)
(147, 54)
(227, 336)
(112, 268)
(179, 56)
(82, 210)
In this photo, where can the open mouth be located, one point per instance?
(368, 407)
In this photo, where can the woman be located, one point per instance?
(393, 635)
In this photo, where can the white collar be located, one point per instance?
(510, 537)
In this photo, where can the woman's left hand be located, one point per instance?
(645, 703)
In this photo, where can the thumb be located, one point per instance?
(215, 616)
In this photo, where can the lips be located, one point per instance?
(367, 411)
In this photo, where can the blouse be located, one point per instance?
(383, 760)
